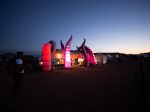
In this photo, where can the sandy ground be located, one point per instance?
(103, 88)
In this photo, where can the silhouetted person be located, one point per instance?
(16, 68)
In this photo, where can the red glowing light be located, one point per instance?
(46, 57)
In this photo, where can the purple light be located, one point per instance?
(67, 54)
(67, 59)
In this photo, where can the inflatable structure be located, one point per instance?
(89, 57)
(46, 57)
(67, 57)
(48, 52)
(52, 58)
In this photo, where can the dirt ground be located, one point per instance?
(102, 88)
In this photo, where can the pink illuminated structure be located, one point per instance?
(52, 57)
(89, 56)
(46, 57)
(67, 57)
(48, 52)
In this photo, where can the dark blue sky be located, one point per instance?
(108, 25)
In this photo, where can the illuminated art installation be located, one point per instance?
(67, 57)
(46, 56)
(52, 57)
(89, 56)
(48, 52)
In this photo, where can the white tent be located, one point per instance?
(101, 58)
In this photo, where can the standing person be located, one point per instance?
(17, 69)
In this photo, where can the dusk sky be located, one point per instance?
(107, 25)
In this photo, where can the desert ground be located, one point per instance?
(101, 88)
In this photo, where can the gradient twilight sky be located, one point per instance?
(108, 25)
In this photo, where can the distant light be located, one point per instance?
(41, 63)
(59, 56)
(80, 60)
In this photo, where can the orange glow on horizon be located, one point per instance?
(127, 51)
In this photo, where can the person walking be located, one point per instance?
(16, 67)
